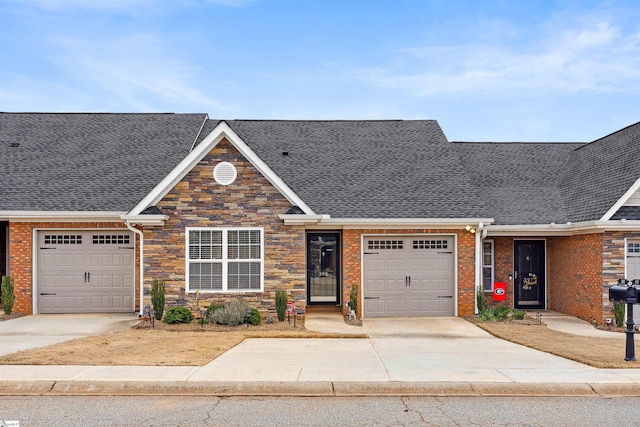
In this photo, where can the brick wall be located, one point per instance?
(352, 268)
(21, 259)
(575, 282)
(503, 267)
(251, 201)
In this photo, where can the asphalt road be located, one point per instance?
(319, 411)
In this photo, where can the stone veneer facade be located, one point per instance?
(251, 201)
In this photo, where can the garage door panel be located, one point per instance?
(417, 273)
(85, 272)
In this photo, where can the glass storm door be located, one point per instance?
(323, 268)
(529, 274)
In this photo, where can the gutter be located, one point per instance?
(141, 234)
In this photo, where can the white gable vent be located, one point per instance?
(225, 173)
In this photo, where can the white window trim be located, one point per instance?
(225, 260)
(493, 264)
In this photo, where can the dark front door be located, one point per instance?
(529, 274)
(323, 268)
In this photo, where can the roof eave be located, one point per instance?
(60, 216)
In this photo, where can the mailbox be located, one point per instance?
(623, 294)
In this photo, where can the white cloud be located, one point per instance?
(137, 71)
(597, 57)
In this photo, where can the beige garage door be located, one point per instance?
(85, 272)
(409, 276)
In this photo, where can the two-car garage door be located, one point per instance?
(86, 272)
(409, 276)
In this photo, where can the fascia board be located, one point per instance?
(442, 223)
(607, 216)
(145, 220)
(567, 229)
(299, 219)
(58, 216)
(220, 132)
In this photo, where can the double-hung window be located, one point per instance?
(225, 259)
(487, 265)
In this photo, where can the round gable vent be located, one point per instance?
(225, 173)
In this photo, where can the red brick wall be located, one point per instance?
(352, 268)
(574, 282)
(251, 201)
(503, 267)
(21, 259)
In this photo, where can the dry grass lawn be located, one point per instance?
(191, 345)
(596, 352)
(164, 345)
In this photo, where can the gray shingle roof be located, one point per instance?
(600, 173)
(347, 169)
(408, 169)
(88, 162)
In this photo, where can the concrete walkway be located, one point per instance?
(426, 356)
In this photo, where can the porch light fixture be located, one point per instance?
(470, 229)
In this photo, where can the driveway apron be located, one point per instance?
(398, 349)
(41, 330)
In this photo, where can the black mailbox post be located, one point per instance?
(625, 293)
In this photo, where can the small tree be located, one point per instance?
(481, 301)
(618, 313)
(281, 304)
(353, 299)
(8, 297)
(157, 297)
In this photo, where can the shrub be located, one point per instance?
(519, 314)
(353, 299)
(234, 312)
(157, 297)
(487, 315)
(618, 313)
(8, 297)
(178, 315)
(281, 304)
(501, 312)
(255, 318)
(211, 309)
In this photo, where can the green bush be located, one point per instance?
(281, 304)
(178, 315)
(234, 312)
(501, 312)
(8, 296)
(487, 315)
(255, 318)
(618, 313)
(157, 297)
(519, 314)
(353, 299)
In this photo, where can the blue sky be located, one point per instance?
(491, 70)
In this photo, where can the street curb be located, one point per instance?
(311, 388)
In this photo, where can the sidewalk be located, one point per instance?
(428, 356)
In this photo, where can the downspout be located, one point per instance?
(481, 233)
(139, 233)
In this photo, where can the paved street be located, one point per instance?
(319, 411)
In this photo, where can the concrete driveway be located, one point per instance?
(398, 349)
(44, 329)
